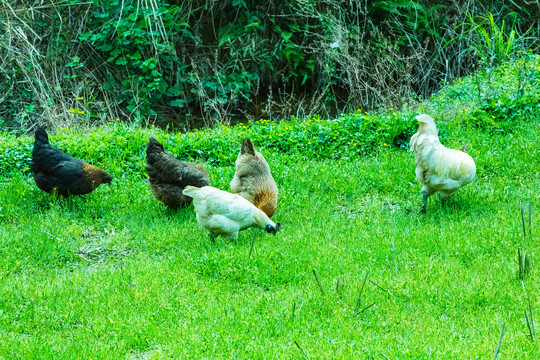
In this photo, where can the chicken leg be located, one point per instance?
(424, 201)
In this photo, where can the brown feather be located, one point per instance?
(266, 201)
(253, 179)
(168, 176)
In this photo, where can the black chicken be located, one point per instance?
(168, 176)
(56, 172)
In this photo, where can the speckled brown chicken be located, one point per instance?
(168, 176)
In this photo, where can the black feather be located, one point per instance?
(168, 176)
(41, 135)
(55, 171)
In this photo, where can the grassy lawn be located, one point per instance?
(117, 275)
(356, 271)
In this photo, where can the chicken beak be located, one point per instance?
(273, 229)
(276, 229)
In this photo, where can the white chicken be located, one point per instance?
(438, 168)
(225, 214)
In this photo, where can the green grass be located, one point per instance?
(117, 275)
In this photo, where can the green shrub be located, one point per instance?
(139, 41)
(513, 93)
(497, 100)
(167, 62)
(496, 42)
(121, 149)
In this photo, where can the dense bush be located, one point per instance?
(121, 148)
(187, 61)
(496, 100)
(507, 97)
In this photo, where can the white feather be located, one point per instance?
(438, 168)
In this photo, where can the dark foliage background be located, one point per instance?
(193, 63)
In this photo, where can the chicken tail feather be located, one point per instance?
(189, 190)
(247, 147)
(153, 148)
(41, 135)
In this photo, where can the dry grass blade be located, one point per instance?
(364, 309)
(359, 299)
(318, 282)
(339, 285)
(380, 287)
(523, 221)
(524, 263)
(530, 219)
(304, 354)
(524, 259)
(530, 320)
(20, 20)
(497, 351)
(252, 243)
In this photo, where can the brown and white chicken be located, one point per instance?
(226, 214)
(438, 168)
(253, 179)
